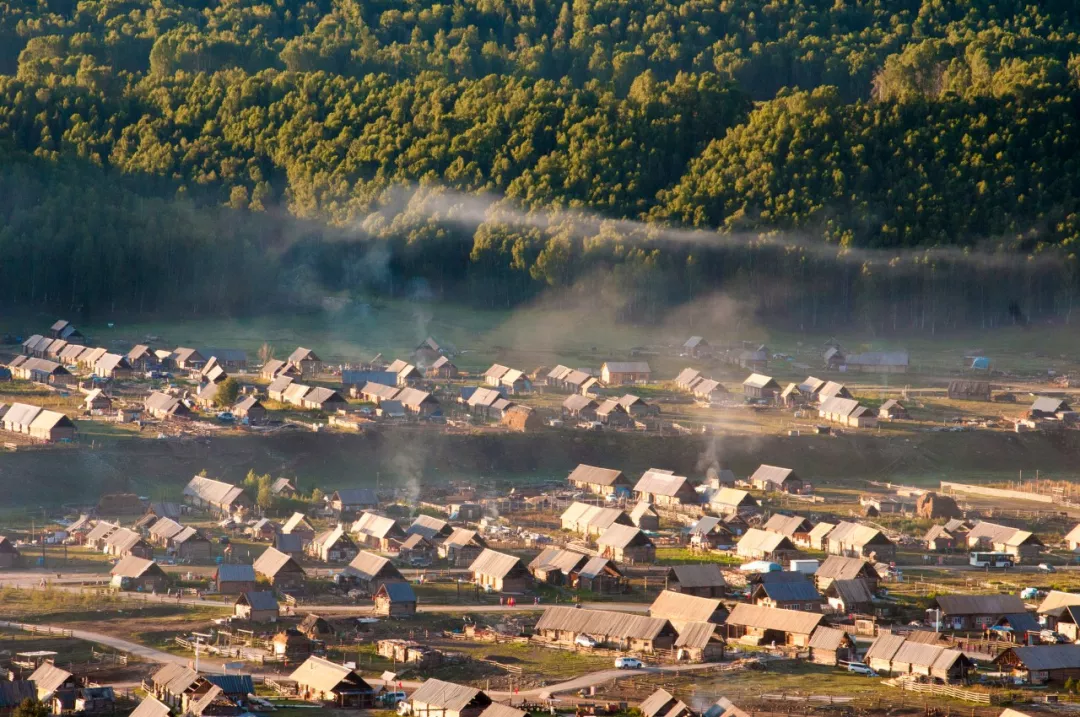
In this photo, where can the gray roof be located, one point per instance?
(787, 524)
(772, 618)
(233, 573)
(398, 592)
(1048, 657)
(427, 526)
(839, 567)
(1044, 404)
(368, 566)
(661, 483)
(595, 475)
(656, 703)
(763, 541)
(621, 536)
(260, 600)
(149, 707)
(552, 559)
(790, 591)
(495, 564)
(698, 576)
(828, 638)
(596, 567)
(448, 695)
(272, 561)
(696, 634)
(605, 623)
(852, 592)
(680, 607)
(980, 604)
(772, 474)
(356, 496)
(757, 380)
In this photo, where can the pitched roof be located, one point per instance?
(607, 623)
(356, 496)
(855, 534)
(552, 559)
(839, 406)
(1057, 598)
(131, 566)
(596, 567)
(462, 537)
(374, 525)
(618, 535)
(367, 566)
(595, 475)
(884, 647)
(296, 520)
(655, 703)
(397, 591)
(302, 354)
(820, 530)
(772, 618)
(271, 562)
(235, 573)
(980, 604)
(151, 707)
(852, 592)
(213, 491)
(732, 497)
(839, 567)
(757, 380)
(789, 591)
(680, 607)
(50, 419)
(48, 677)
(661, 483)
(763, 541)
(772, 474)
(828, 638)
(260, 599)
(593, 516)
(703, 575)
(323, 675)
(1048, 657)
(785, 524)
(448, 696)
(495, 564)
(427, 526)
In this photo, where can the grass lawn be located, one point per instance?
(686, 556)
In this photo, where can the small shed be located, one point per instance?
(257, 606)
(395, 599)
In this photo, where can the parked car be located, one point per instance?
(392, 698)
(226, 417)
(628, 663)
(1047, 568)
(584, 641)
(860, 668)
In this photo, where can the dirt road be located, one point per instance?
(151, 655)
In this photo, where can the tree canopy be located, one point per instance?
(181, 155)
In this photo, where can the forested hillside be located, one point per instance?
(238, 155)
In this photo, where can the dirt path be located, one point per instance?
(151, 655)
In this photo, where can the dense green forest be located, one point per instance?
(863, 157)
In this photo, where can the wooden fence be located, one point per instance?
(983, 698)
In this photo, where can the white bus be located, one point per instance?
(991, 560)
